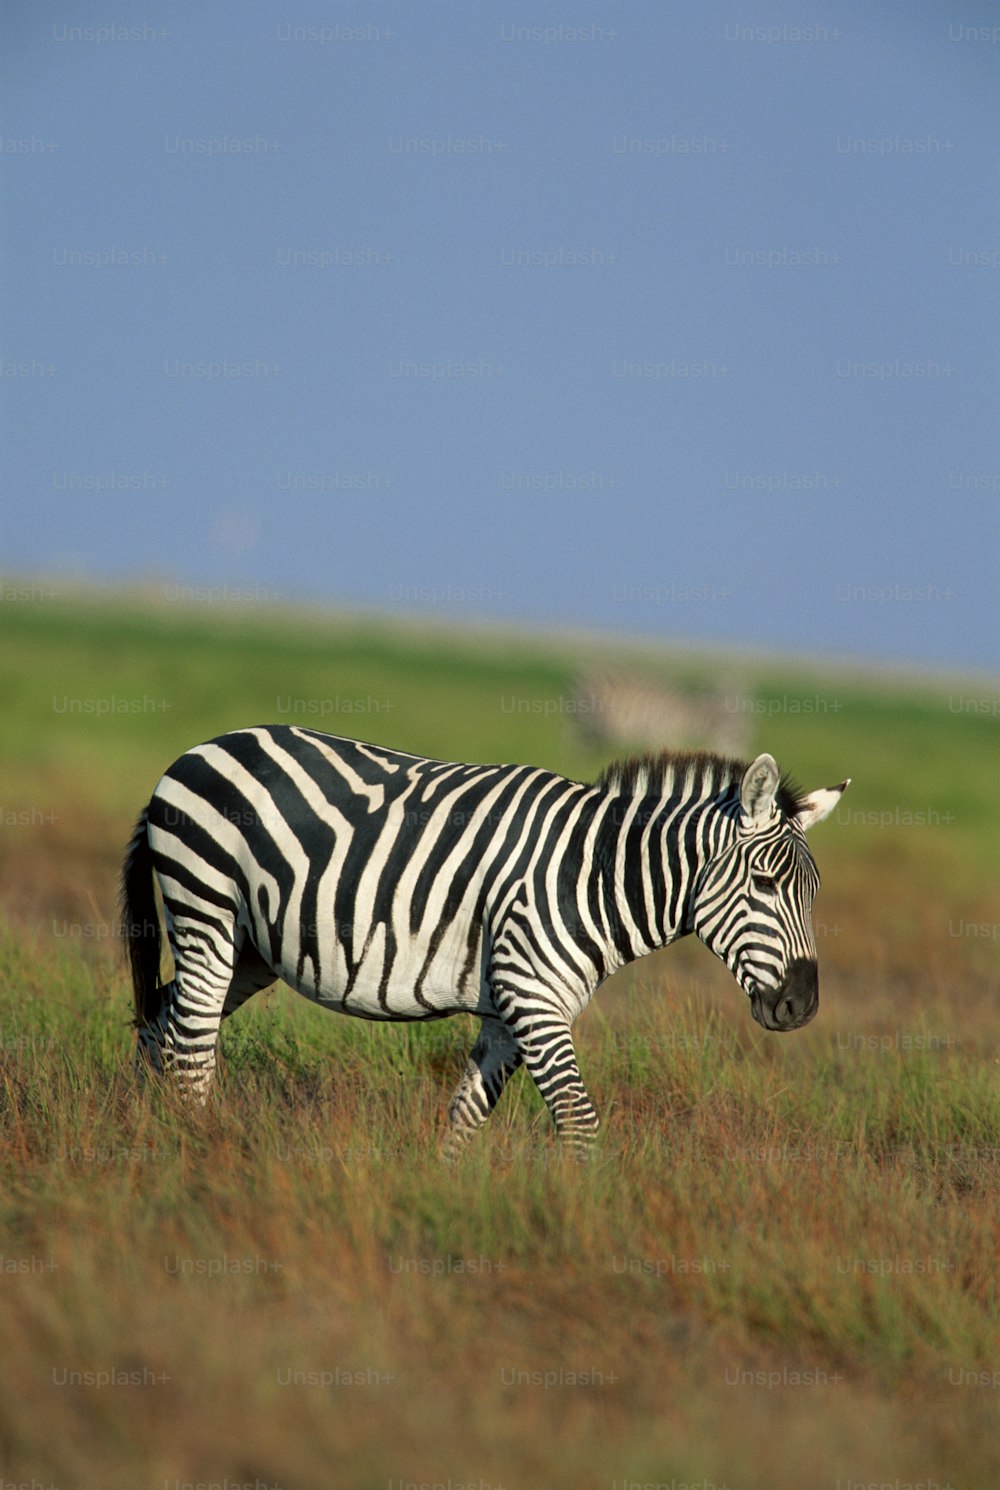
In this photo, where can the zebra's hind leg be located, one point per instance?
(182, 1039)
(493, 1059)
(181, 1043)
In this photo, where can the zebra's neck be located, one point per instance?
(650, 851)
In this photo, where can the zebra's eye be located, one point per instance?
(764, 883)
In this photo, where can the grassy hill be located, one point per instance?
(781, 1268)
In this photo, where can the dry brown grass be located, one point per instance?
(784, 1255)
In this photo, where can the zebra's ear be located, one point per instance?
(819, 804)
(757, 790)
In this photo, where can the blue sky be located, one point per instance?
(670, 319)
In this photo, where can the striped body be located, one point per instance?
(370, 880)
(389, 886)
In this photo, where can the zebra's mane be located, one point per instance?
(698, 772)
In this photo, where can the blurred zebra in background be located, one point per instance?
(614, 710)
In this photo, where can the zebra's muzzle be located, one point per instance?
(793, 1003)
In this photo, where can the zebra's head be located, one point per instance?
(753, 901)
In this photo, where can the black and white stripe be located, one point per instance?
(389, 886)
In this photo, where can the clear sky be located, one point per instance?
(677, 319)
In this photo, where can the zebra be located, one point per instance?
(393, 887)
(615, 709)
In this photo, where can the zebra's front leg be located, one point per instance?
(545, 1041)
(493, 1059)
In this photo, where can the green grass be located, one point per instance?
(779, 1269)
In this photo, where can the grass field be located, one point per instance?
(779, 1271)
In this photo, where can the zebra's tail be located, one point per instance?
(140, 924)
